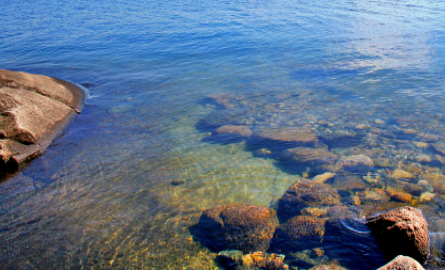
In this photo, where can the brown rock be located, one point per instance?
(401, 231)
(437, 181)
(300, 232)
(298, 135)
(34, 110)
(349, 182)
(311, 156)
(321, 178)
(242, 131)
(244, 227)
(354, 163)
(399, 173)
(401, 197)
(402, 263)
(305, 193)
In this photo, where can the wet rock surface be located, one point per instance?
(402, 263)
(34, 110)
(243, 227)
(305, 193)
(401, 231)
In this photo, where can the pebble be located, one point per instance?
(323, 177)
(427, 196)
(421, 144)
(399, 173)
(379, 122)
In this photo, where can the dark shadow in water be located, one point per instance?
(204, 233)
(352, 250)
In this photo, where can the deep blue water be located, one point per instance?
(101, 196)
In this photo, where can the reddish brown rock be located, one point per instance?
(354, 163)
(305, 193)
(300, 232)
(401, 197)
(402, 263)
(34, 110)
(241, 131)
(243, 227)
(297, 135)
(308, 155)
(401, 231)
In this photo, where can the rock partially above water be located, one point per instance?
(305, 193)
(401, 231)
(244, 227)
(34, 111)
(402, 263)
(298, 135)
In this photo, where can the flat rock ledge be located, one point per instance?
(34, 110)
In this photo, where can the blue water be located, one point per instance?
(101, 196)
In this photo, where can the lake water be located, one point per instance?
(126, 181)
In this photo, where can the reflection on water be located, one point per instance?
(198, 104)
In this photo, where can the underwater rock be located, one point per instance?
(35, 109)
(241, 131)
(329, 266)
(300, 232)
(401, 231)
(310, 156)
(421, 144)
(354, 163)
(244, 227)
(402, 263)
(298, 135)
(427, 196)
(321, 178)
(262, 152)
(423, 158)
(437, 181)
(305, 193)
(439, 147)
(401, 197)
(223, 100)
(314, 211)
(268, 261)
(348, 182)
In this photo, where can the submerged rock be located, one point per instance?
(305, 193)
(34, 111)
(402, 263)
(241, 131)
(401, 231)
(354, 163)
(244, 227)
(321, 178)
(300, 232)
(297, 135)
(349, 182)
(310, 156)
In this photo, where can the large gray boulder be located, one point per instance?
(34, 110)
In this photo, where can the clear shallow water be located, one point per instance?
(101, 196)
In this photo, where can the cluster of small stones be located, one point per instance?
(385, 160)
(398, 158)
